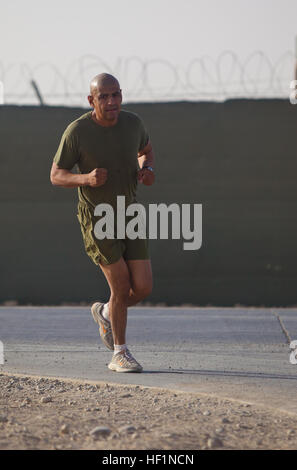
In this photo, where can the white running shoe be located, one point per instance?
(124, 362)
(104, 325)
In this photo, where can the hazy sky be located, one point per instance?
(61, 31)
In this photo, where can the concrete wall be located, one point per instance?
(237, 158)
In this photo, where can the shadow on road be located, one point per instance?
(222, 373)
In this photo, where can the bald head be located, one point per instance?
(106, 98)
(103, 80)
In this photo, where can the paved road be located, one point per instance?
(240, 353)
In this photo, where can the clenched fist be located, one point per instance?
(97, 177)
(145, 176)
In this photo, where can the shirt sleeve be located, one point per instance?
(68, 151)
(144, 137)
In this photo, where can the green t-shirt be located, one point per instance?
(89, 145)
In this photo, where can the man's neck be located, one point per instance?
(102, 122)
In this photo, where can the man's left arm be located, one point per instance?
(146, 159)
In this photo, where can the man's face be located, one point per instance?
(106, 102)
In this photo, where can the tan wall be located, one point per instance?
(237, 158)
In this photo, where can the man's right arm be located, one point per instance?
(66, 179)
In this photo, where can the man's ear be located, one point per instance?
(90, 100)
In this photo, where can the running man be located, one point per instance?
(112, 150)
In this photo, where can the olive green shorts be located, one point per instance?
(108, 251)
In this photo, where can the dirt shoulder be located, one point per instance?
(48, 413)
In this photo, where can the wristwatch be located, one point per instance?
(148, 168)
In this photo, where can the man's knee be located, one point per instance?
(121, 293)
(117, 276)
(142, 291)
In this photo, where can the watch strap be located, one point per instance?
(148, 168)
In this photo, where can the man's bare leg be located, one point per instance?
(141, 279)
(118, 278)
(129, 282)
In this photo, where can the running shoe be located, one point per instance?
(124, 362)
(104, 325)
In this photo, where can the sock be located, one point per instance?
(105, 312)
(119, 348)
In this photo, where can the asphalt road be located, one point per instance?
(240, 353)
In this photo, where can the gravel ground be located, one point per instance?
(48, 413)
